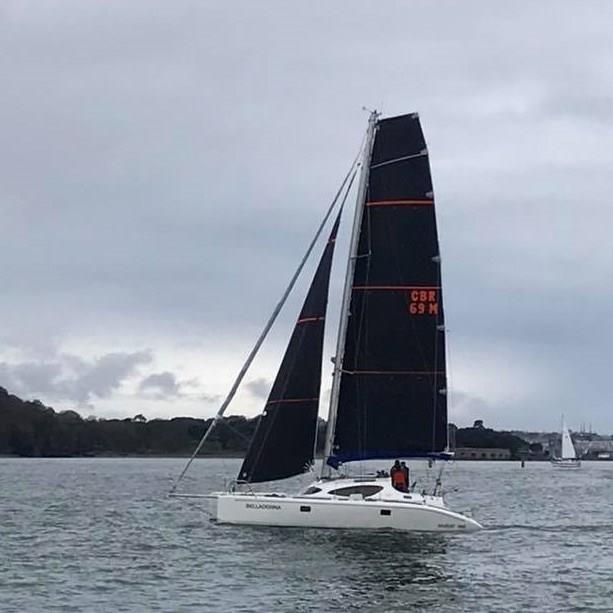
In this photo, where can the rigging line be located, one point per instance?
(273, 317)
(235, 431)
(450, 389)
(341, 339)
(274, 412)
(327, 302)
(422, 153)
(362, 332)
(357, 332)
(437, 336)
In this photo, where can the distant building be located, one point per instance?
(600, 448)
(479, 453)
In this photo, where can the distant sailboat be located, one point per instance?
(568, 457)
(389, 396)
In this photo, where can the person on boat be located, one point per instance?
(398, 477)
(405, 470)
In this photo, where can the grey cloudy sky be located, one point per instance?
(164, 164)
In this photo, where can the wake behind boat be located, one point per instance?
(389, 390)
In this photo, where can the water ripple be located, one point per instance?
(101, 535)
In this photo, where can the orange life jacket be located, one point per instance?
(398, 477)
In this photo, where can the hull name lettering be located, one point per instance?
(261, 505)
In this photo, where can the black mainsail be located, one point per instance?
(392, 392)
(283, 443)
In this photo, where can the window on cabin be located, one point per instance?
(363, 490)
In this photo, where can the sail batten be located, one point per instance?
(283, 443)
(392, 390)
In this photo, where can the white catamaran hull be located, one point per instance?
(388, 510)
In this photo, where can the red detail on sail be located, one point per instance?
(396, 287)
(293, 400)
(306, 319)
(394, 372)
(411, 202)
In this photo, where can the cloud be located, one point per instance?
(71, 378)
(163, 385)
(211, 398)
(37, 376)
(465, 408)
(156, 220)
(259, 388)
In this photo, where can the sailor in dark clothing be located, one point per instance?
(405, 470)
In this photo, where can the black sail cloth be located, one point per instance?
(283, 443)
(392, 400)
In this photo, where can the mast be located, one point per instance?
(391, 401)
(353, 248)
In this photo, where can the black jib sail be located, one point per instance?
(392, 399)
(283, 443)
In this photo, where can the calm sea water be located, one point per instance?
(101, 535)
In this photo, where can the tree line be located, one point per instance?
(31, 429)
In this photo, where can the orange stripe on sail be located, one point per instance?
(394, 372)
(305, 319)
(293, 400)
(395, 287)
(410, 202)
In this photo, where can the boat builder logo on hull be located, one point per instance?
(261, 505)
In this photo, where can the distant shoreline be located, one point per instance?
(235, 456)
(31, 429)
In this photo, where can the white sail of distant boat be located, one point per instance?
(568, 457)
(389, 390)
(568, 449)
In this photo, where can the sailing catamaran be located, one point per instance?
(389, 396)
(568, 457)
